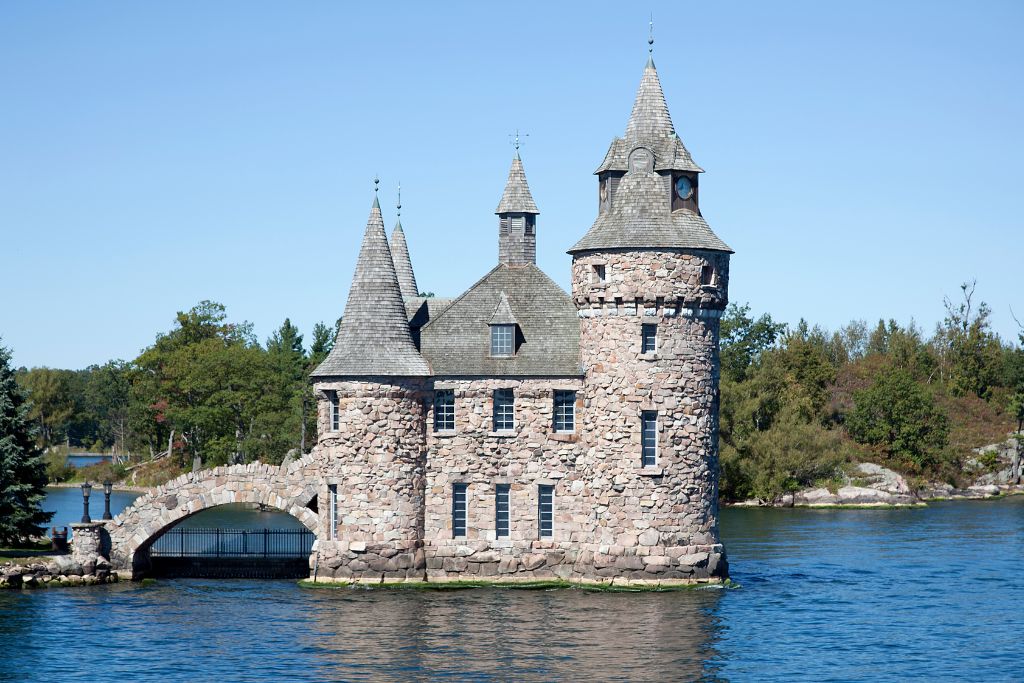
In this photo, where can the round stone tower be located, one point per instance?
(650, 282)
(372, 444)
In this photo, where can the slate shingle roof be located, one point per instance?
(517, 197)
(457, 341)
(641, 216)
(403, 263)
(650, 125)
(374, 337)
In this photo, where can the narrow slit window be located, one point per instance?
(503, 340)
(332, 490)
(648, 338)
(545, 510)
(501, 510)
(649, 438)
(565, 411)
(335, 411)
(458, 510)
(444, 410)
(504, 410)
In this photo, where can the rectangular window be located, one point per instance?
(504, 410)
(599, 273)
(502, 339)
(517, 224)
(332, 492)
(707, 275)
(648, 338)
(545, 510)
(335, 411)
(505, 223)
(501, 510)
(529, 225)
(565, 411)
(458, 510)
(444, 410)
(649, 438)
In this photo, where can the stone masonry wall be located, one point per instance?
(476, 455)
(376, 461)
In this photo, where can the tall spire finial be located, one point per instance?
(376, 183)
(399, 207)
(515, 141)
(650, 40)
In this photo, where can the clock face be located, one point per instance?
(684, 188)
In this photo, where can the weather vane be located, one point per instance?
(399, 199)
(650, 37)
(515, 141)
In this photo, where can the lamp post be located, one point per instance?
(107, 486)
(86, 490)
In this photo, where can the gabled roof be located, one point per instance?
(457, 341)
(650, 126)
(403, 263)
(641, 217)
(373, 338)
(517, 197)
(503, 313)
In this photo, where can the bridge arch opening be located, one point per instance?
(231, 540)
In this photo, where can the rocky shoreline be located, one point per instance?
(871, 485)
(58, 570)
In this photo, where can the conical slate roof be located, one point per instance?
(517, 197)
(403, 264)
(650, 126)
(374, 339)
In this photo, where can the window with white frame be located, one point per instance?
(503, 339)
(648, 338)
(334, 410)
(648, 438)
(545, 510)
(444, 410)
(502, 510)
(458, 510)
(565, 411)
(332, 494)
(504, 410)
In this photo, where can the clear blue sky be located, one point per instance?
(862, 158)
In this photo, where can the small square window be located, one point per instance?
(504, 410)
(708, 276)
(648, 338)
(444, 410)
(565, 411)
(503, 340)
(599, 273)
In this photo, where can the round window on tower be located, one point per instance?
(684, 187)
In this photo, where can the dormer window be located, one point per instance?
(503, 338)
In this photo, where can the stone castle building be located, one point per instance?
(518, 432)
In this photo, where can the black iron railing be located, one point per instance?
(276, 543)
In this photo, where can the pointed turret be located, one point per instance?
(650, 118)
(373, 338)
(403, 264)
(517, 219)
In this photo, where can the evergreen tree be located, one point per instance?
(22, 468)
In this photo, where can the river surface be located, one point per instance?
(827, 595)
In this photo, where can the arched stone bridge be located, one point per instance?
(290, 487)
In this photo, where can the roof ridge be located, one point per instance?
(464, 294)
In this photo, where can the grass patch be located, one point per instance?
(148, 582)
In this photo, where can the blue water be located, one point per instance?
(83, 460)
(831, 595)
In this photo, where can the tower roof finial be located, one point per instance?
(650, 42)
(376, 184)
(514, 140)
(399, 206)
